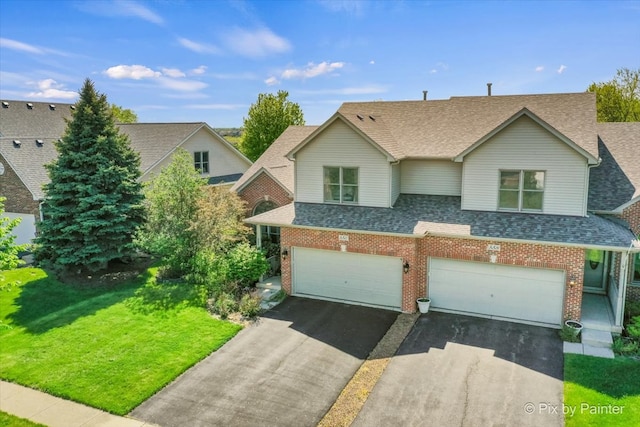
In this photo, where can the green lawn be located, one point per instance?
(108, 347)
(8, 420)
(601, 392)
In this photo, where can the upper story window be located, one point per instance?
(521, 190)
(340, 185)
(201, 161)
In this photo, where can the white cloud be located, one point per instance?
(215, 106)
(311, 70)
(561, 69)
(272, 81)
(121, 8)
(372, 62)
(355, 90)
(16, 45)
(197, 47)
(440, 66)
(355, 7)
(198, 71)
(173, 72)
(135, 72)
(49, 88)
(539, 68)
(258, 43)
(433, 71)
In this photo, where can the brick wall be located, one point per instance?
(19, 198)
(263, 188)
(632, 215)
(417, 251)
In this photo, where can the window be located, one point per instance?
(201, 161)
(269, 233)
(521, 190)
(341, 185)
(636, 267)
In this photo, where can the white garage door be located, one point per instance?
(501, 291)
(25, 232)
(348, 277)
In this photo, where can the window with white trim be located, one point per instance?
(340, 185)
(201, 161)
(521, 190)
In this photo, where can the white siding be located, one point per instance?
(395, 183)
(435, 177)
(524, 145)
(339, 145)
(222, 160)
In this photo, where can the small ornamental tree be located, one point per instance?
(268, 118)
(8, 249)
(172, 203)
(93, 204)
(618, 100)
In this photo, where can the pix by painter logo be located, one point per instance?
(571, 410)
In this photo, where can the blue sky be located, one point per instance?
(177, 61)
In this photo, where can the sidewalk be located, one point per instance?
(55, 412)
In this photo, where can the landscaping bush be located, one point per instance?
(633, 328)
(249, 305)
(224, 305)
(246, 264)
(632, 309)
(625, 346)
(568, 334)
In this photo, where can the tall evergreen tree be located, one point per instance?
(94, 202)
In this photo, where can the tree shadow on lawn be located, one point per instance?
(48, 303)
(617, 377)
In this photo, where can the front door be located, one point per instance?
(596, 266)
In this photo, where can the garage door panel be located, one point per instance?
(343, 276)
(515, 292)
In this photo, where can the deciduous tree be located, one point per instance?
(618, 100)
(123, 115)
(93, 203)
(268, 117)
(8, 249)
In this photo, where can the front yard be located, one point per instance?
(110, 346)
(601, 392)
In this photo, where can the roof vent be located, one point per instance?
(359, 116)
(73, 107)
(17, 142)
(5, 104)
(52, 106)
(39, 142)
(488, 89)
(372, 118)
(29, 106)
(424, 95)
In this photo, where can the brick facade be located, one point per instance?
(262, 188)
(632, 215)
(416, 251)
(19, 198)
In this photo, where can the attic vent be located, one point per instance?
(372, 118)
(5, 104)
(359, 116)
(29, 106)
(40, 142)
(52, 106)
(16, 143)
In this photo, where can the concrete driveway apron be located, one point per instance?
(454, 370)
(285, 371)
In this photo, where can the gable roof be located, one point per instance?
(274, 161)
(444, 129)
(617, 180)
(28, 121)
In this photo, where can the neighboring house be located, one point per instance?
(28, 131)
(493, 206)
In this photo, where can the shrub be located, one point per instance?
(632, 309)
(224, 305)
(568, 334)
(625, 346)
(246, 264)
(249, 305)
(633, 328)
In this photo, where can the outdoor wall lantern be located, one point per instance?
(572, 280)
(405, 267)
(285, 253)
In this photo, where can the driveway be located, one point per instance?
(456, 370)
(285, 371)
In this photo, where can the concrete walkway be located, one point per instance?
(53, 411)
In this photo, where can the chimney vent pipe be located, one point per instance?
(489, 89)
(424, 95)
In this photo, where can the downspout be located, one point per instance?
(585, 200)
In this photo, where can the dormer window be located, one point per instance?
(521, 190)
(341, 185)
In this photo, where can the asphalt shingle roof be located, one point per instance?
(418, 214)
(445, 128)
(274, 160)
(617, 179)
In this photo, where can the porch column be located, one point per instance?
(259, 236)
(622, 287)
